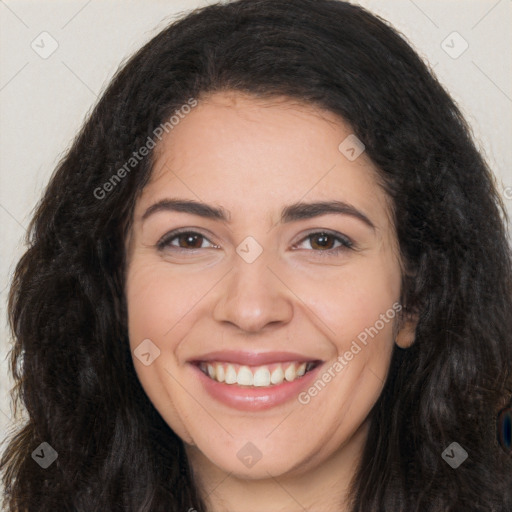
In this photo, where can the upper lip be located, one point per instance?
(251, 358)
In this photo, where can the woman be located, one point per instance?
(270, 274)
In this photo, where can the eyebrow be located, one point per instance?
(290, 213)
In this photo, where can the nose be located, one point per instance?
(253, 297)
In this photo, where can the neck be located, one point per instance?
(321, 487)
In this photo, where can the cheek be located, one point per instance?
(150, 305)
(352, 299)
(142, 299)
(159, 300)
(155, 307)
(359, 305)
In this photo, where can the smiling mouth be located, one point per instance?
(267, 375)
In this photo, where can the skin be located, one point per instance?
(252, 157)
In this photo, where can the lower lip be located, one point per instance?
(255, 398)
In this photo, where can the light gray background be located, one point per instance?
(43, 102)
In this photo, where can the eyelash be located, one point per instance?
(346, 243)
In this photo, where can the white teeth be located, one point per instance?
(290, 373)
(262, 377)
(244, 377)
(277, 375)
(221, 375)
(230, 374)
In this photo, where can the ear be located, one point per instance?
(406, 329)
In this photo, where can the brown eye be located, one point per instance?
(323, 242)
(186, 240)
(190, 239)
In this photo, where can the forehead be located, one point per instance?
(255, 155)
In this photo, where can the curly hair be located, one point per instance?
(71, 359)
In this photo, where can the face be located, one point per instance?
(262, 330)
